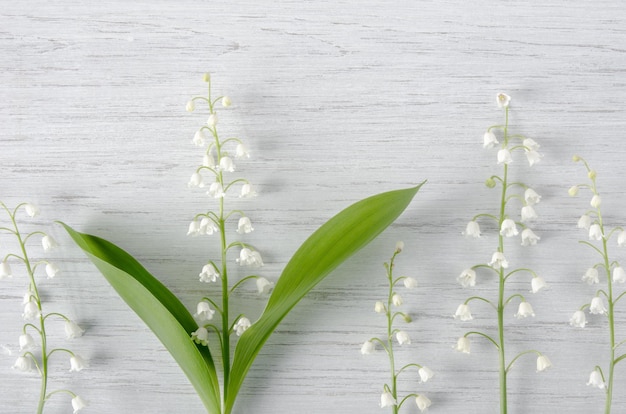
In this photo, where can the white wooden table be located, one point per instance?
(337, 100)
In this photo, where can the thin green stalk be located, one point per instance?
(392, 366)
(42, 326)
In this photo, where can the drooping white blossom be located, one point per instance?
(422, 402)
(409, 283)
(595, 201)
(537, 283)
(195, 180)
(472, 229)
(528, 213)
(425, 374)
(591, 276)
(524, 310)
(467, 278)
(396, 300)
(31, 310)
(248, 257)
(5, 270)
(209, 273)
(584, 222)
(543, 363)
(242, 324)
(463, 345)
(498, 261)
(368, 347)
(508, 228)
(597, 306)
(77, 363)
(200, 336)
(263, 286)
(31, 210)
(379, 307)
(226, 102)
(529, 238)
(72, 330)
(247, 191)
(241, 151)
(596, 380)
(204, 311)
(621, 238)
(48, 243)
(531, 197)
(227, 164)
(244, 226)
(199, 139)
(578, 319)
(595, 232)
(216, 190)
(78, 404)
(503, 100)
(504, 156)
(387, 400)
(23, 364)
(403, 338)
(26, 342)
(489, 140)
(619, 275)
(51, 270)
(463, 313)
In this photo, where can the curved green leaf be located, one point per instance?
(159, 309)
(339, 238)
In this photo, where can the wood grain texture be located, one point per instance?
(337, 100)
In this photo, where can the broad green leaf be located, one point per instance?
(159, 309)
(339, 238)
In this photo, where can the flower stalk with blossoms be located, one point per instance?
(612, 272)
(389, 396)
(513, 194)
(36, 354)
(191, 338)
(215, 170)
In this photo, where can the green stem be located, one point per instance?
(42, 327)
(392, 367)
(502, 280)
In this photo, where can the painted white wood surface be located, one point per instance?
(337, 100)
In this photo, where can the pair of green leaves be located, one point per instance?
(323, 251)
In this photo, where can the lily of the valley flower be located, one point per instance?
(596, 201)
(200, 336)
(467, 278)
(619, 275)
(241, 151)
(508, 228)
(596, 380)
(207, 226)
(368, 347)
(403, 338)
(597, 306)
(463, 345)
(528, 213)
(78, 404)
(195, 180)
(463, 313)
(524, 310)
(244, 226)
(489, 140)
(199, 139)
(31, 210)
(5, 270)
(409, 283)
(543, 363)
(212, 121)
(537, 283)
(498, 261)
(472, 229)
(226, 164)
(242, 324)
(190, 106)
(72, 330)
(529, 238)
(263, 285)
(77, 363)
(209, 273)
(387, 400)
(578, 319)
(503, 100)
(247, 191)
(226, 102)
(591, 276)
(584, 222)
(31, 310)
(249, 257)
(204, 311)
(425, 374)
(397, 300)
(573, 191)
(216, 190)
(504, 156)
(531, 149)
(621, 238)
(595, 232)
(26, 342)
(51, 270)
(48, 242)
(24, 364)
(422, 402)
(531, 197)
(379, 307)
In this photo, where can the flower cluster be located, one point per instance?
(35, 356)
(214, 172)
(612, 273)
(389, 396)
(524, 199)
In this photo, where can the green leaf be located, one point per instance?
(159, 309)
(339, 238)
